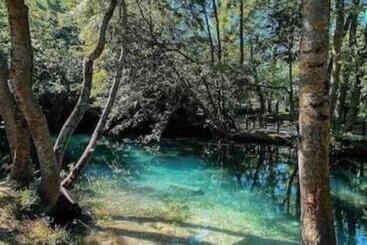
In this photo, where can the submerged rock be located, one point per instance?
(190, 190)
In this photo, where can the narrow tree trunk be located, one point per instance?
(242, 54)
(209, 35)
(98, 131)
(314, 119)
(336, 62)
(258, 87)
(82, 105)
(16, 131)
(215, 9)
(357, 87)
(354, 106)
(342, 96)
(290, 71)
(20, 80)
(346, 71)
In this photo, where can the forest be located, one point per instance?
(139, 122)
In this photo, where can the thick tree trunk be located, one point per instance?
(82, 105)
(314, 119)
(22, 168)
(20, 80)
(7, 106)
(337, 45)
(76, 170)
(16, 131)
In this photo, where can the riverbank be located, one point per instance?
(22, 223)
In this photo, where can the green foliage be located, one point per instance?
(27, 198)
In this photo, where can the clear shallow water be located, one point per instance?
(190, 192)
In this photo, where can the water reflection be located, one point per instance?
(261, 179)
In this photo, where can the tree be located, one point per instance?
(16, 131)
(217, 23)
(84, 98)
(336, 52)
(349, 69)
(242, 54)
(285, 16)
(98, 131)
(357, 68)
(314, 122)
(20, 80)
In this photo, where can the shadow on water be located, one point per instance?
(182, 224)
(242, 194)
(152, 236)
(155, 237)
(246, 238)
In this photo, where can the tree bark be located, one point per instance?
(359, 74)
(342, 96)
(215, 9)
(82, 105)
(336, 52)
(290, 71)
(209, 35)
(344, 82)
(75, 172)
(16, 131)
(242, 54)
(314, 119)
(20, 80)
(7, 106)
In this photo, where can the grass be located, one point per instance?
(27, 198)
(40, 233)
(18, 227)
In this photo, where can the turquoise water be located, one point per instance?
(192, 192)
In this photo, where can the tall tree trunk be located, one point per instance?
(75, 172)
(290, 71)
(7, 106)
(337, 45)
(242, 54)
(20, 80)
(207, 23)
(357, 87)
(314, 119)
(82, 105)
(16, 131)
(215, 9)
(342, 96)
(340, 109)
(258, 87)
